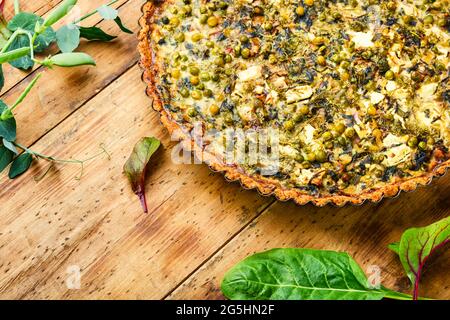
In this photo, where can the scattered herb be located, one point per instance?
(308, 274)
(136, 166)
(25, 34)
(417, 245)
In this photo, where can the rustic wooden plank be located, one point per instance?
(97, 223)
(12, 75)
(363, 231)
(62, 90)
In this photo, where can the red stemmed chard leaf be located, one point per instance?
(417, 245)
(136, 166)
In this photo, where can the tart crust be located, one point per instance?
(264, 185)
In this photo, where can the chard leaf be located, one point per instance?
(301, 274)
(121, 26)
(416, 246)
(20, 165)
(6, 157)
(395, 246)
(94, 33)
(107, 12)
(68, 38)
(8, 126)
(136, 166)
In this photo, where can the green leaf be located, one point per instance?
(71, 59)
(27, 21)
(24, 20)
(68, 38)
(10, 146)
(299, 274)
(121, 26)
(94, 33)
(107, 12)
(136, 165)
(8, 126)
(20, 165)
(416, 246)
(395, 246)
(6, 157)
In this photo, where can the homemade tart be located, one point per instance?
(358, 91)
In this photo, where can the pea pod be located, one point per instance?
(14, 54)
(57, 14)
(72, 59)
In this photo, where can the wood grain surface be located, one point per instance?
(198, 225)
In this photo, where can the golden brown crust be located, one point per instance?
(264, 185)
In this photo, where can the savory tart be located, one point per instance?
(357, 91)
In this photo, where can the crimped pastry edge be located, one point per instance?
(265, 186)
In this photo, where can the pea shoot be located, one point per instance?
(23, 36)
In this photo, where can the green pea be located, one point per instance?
(194, 80)
(389, 75)
(191, 112)
(327, 136)
(267, 26)
(179, 37)
(223, 5)
(303, 109)
(215, 77)
(209, 44)
(197, 37)
(194, 71)
(245, 53)
(212, 21)
(204, 76)
(342, 141)
(412, 142)
(228, 58)
(219, 61)
(350, 132)
(203, 18)
(428, 19)
(422, 145)
(208, 93)
(243, 39)
(299, 158)
(196, 94)
(311, 157)
(289, 125)
(321, 156)
(184, 92)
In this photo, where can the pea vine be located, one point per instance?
(23, 36)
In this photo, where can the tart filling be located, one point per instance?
(357, 91)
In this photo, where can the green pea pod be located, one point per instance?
(14, 54)
(60, 12)
(72, 59)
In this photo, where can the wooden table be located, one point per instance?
(199, 225)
